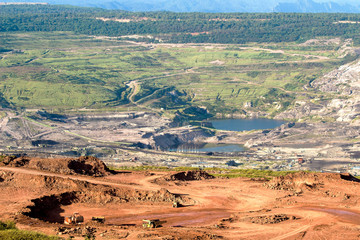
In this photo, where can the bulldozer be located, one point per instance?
(154, 223)
(76, 218)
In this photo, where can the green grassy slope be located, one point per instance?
(63, 70)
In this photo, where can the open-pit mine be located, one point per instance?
(163, 125)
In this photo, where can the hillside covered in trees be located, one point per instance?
(179, 27)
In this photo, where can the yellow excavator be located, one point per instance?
(76, 218)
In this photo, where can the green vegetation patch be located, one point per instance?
(9, 231)
(172, 27)
(64, 70)
(7, 225)
(248, 173)
(217, 172)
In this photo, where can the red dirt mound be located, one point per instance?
(90, 166)
(48, 208)
(269, 219)
(13, 161)
(189, 176)
(307, 180)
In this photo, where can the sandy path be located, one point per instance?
(292, 233)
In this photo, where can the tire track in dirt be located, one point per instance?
(292, 233)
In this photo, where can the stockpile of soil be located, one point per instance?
(308, 181)
(49, 183)
(90, 166)
(269, 219)
(189, 176)
(259, 219)
(84, 191)
(102, 195)
(12, 161)
(49, 207)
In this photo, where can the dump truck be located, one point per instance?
(76, 218)
(153, 223)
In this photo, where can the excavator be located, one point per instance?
(76, 218)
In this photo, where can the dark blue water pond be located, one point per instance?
(245, 124)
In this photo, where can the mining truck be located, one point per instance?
(154, 223)
(76, 218)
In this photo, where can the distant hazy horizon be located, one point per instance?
(348, 6)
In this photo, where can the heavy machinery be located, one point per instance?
(176, 204)
(76, 218)
(98, 219)
(154, 223)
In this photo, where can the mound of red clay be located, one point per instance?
(12, 161)
(269, 219)
(48, 208)
(189, 176)
(308, 180)
(90, 166)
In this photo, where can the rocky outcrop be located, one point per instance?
(345, 80)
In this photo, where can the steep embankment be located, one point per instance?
(329, 123)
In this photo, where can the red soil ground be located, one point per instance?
(299, 206)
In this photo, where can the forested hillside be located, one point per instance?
(180, 27)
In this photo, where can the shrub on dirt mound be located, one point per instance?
(307, 180)
(189, 176)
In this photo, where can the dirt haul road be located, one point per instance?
(300, 206)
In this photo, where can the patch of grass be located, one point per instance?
(7, 224)
(248, 173)
(180, 169)
(140, 168)
(217, 172)
(14, 234)
(9, 231)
